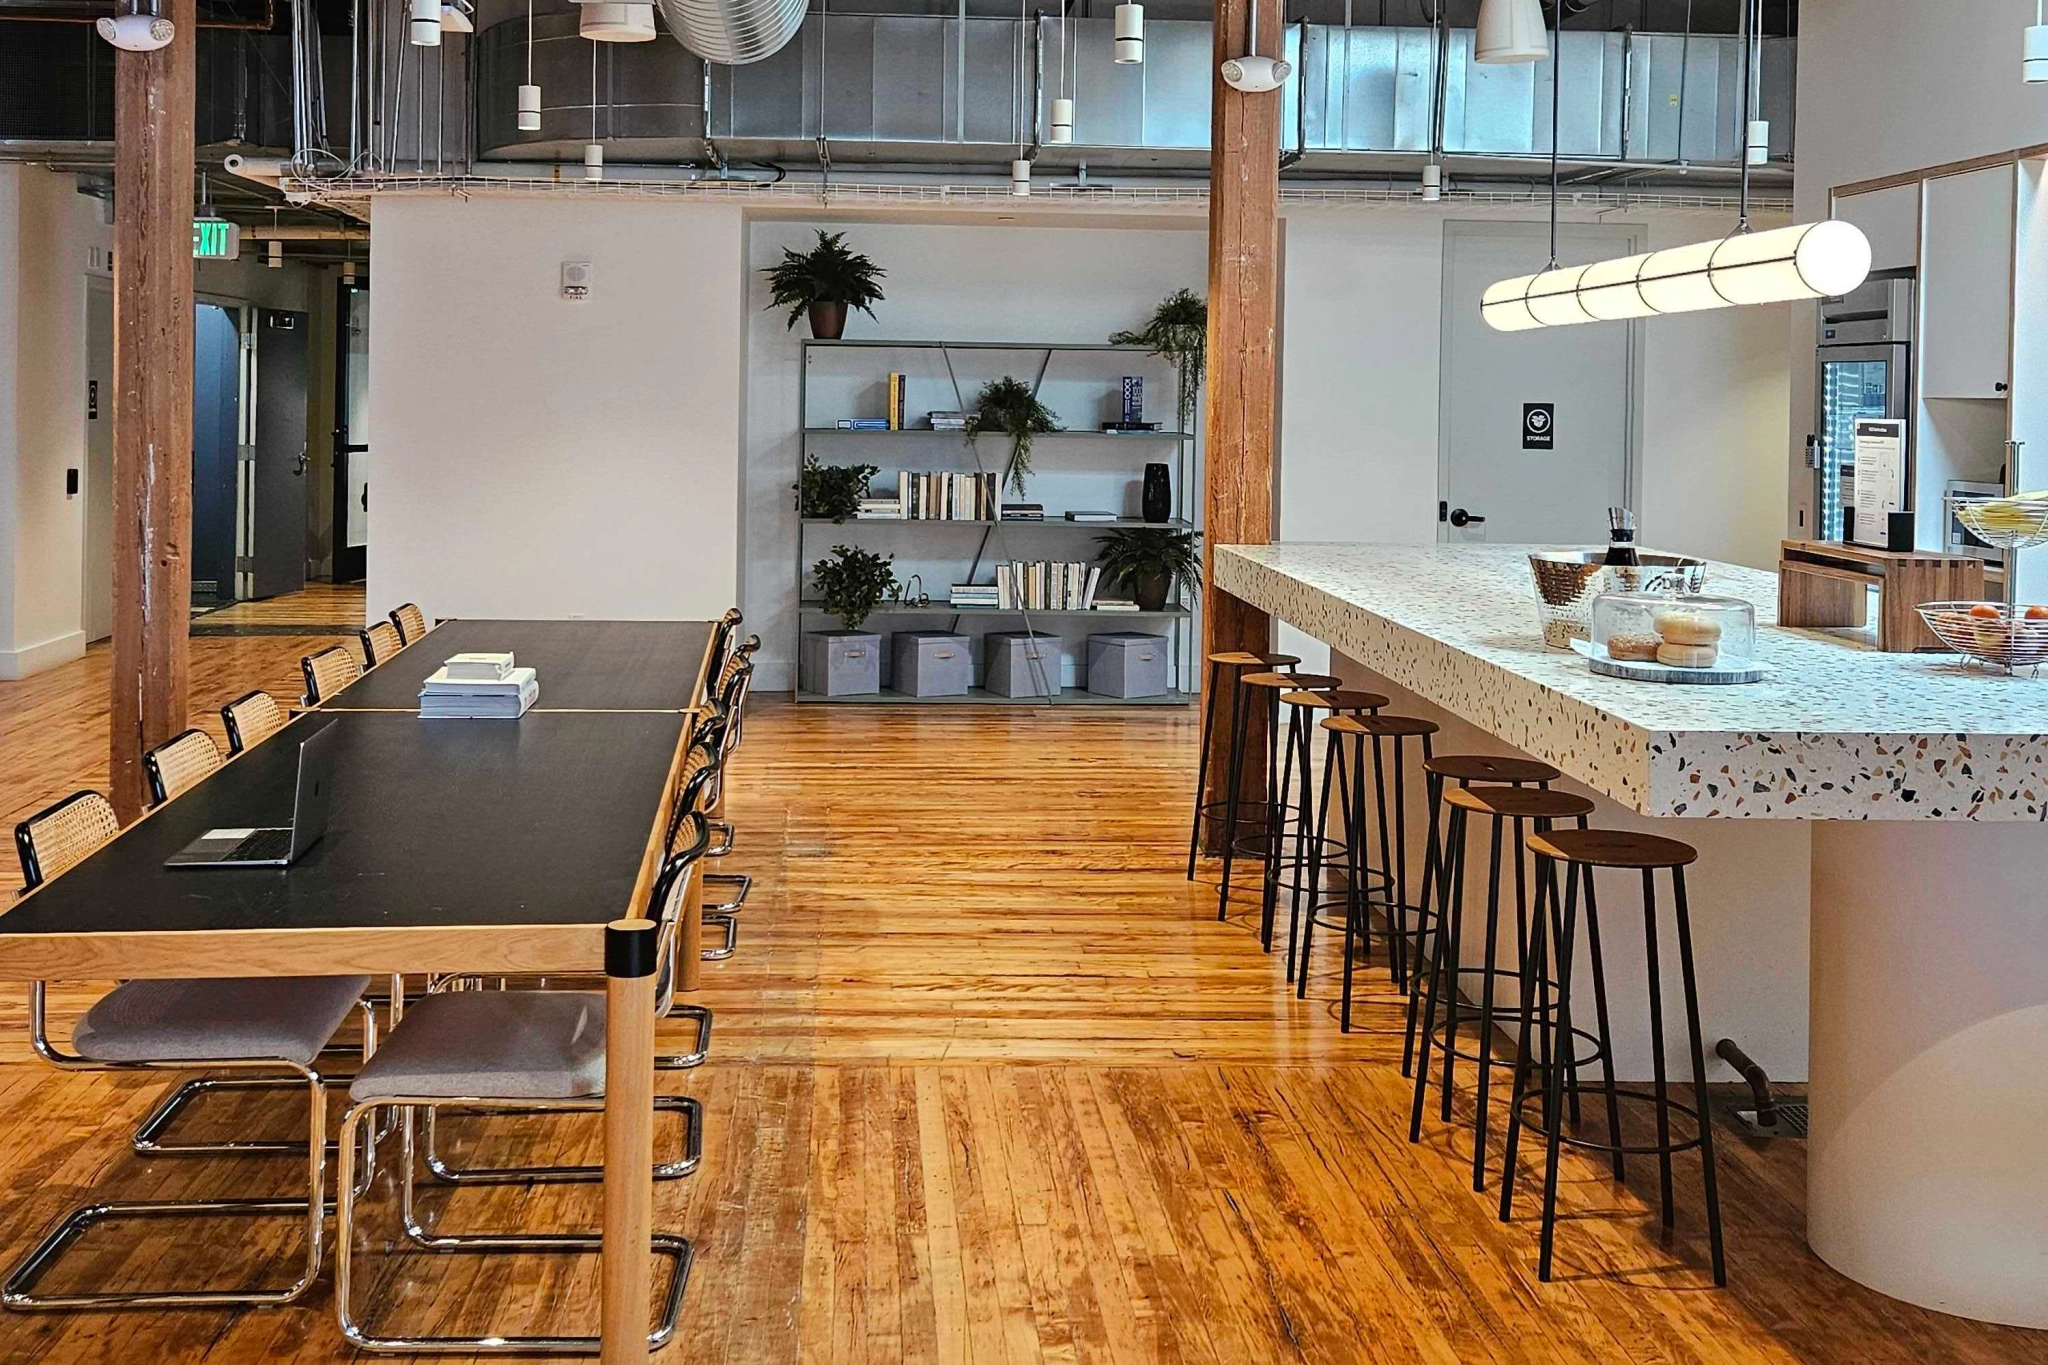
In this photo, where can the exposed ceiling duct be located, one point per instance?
(734, 32)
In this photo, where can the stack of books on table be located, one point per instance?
(879, 509)
(983, 595)
(1046, 585)
(478, 687)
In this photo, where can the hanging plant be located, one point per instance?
(831, 491)
(853, 583)
(1179, 333)
(824, 282)
(1008, 405)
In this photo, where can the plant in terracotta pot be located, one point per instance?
(824, 282)
(854, 582)
(1151, 561)
(1010, 406)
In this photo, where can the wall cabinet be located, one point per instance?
(1966, 285)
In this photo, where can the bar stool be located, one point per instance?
(1311, 823)
(1235, 661)
(1583, 850)
(1392, 873)
(1521, 806)
(1493, 770)
(1255, 689)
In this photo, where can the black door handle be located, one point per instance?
(1461, 518)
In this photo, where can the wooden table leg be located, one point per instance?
(630, 949)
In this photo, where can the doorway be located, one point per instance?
(98, 611)
(216, 453)
(1539, 429)
(352, 432)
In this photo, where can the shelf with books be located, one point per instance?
(1086, 386)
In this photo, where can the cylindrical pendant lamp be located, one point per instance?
(1130, 34)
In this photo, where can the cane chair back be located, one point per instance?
(250, 719)
(689, 837)
(179, 762)
(58, 836)
(327, 672)
(696, 788)
(380, 642)
(723, 635)
(410, 620)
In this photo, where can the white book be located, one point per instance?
(471, 706)
(478, 667)
(438, 683)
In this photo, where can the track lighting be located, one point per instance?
(2034, 52)
(426, 23)
(1510, 31)
(1130, 34)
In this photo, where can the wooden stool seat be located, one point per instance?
(1383, 727)
(1520, 803)
(1289, 682)
(1335, 699)
(1491, 768)
(1241, 658)
(1613, 848)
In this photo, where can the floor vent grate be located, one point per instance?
(1791, 1121)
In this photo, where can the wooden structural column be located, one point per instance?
(1244, 242)
(153, 151)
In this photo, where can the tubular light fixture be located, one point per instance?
(1020, 178)
(1807, 261)
(1509, 31)
(1432, 183)
(426, 23)
(1020, 165)
(1130, 34)
(529, 93)
(273, 254)
(2034, 54)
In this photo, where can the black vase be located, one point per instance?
(1157, 504)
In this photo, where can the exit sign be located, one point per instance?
(216, 239)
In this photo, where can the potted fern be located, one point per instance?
(1008, 405)
(1152, 561)
(824, 282)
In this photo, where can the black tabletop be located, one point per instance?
(581, 665)
(435, 823)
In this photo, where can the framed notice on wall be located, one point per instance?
(1880, 477)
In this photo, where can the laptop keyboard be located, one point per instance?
(265, 845)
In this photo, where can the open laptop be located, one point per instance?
(278, 847)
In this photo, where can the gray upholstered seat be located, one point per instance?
(287, 1018)
(511, 1045)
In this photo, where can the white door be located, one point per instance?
(99, 459)
(1538, 427)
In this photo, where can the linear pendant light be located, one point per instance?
(1808, 261)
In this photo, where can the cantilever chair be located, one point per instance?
(512, 1051)
(410, 620)
(251, 718)
(272, 1028)
(723, 636)
(327, 672)
(381, 640)
(179, 762)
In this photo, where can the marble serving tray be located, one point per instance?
(1727, 673)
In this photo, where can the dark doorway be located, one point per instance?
(278, 499)
(352, 432)
(216, 428)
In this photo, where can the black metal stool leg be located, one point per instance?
(1699, 1077)
(1310, 823)
(1202, 766)
(1297, 937)
(1425, 1030)
(1240, 725)
(1354, 865)
(1276, 821)
(1554, 1080)
(1484, 1037)
(1534, 1021)
(1429, 915)
(1657, 1046)
(1601, 1023)
(1397, 919)
(1386, 868)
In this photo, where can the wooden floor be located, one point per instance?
(990, 1085)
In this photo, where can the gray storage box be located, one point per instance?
(1021, 665)
(1127, 664)
(840, 663)
(930, 663)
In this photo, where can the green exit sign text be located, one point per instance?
(216, 239)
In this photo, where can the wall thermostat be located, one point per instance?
(575, 279)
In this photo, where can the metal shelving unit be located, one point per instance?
(1181, 621)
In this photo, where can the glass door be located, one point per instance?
(1855, 382)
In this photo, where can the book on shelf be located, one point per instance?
(862, 424)
(1115, 604)
(1023, 511)
(982, 595)
(1134, 400)
(947, 420)
(949, 495)
(897, 382)
(1128, 428)
(1092, 516)
(1046, 585)
(879, 509)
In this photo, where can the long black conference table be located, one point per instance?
(493, 846)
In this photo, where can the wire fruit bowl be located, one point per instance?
(2012, 638)
(2007, 523)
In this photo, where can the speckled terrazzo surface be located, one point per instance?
(1837, 732)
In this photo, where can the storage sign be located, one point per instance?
(1537, 421)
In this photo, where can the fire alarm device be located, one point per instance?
(575, 279)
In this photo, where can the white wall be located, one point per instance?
(537, 457)
(945, 282)
(1361, 331)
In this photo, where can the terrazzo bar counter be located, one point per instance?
(1871, 902)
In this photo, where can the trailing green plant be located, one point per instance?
(854, 582)
(1148, 559)
(831, 490)
(1008, 405)
(827, 273)
(1178, 332)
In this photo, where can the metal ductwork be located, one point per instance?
(649, 104)
(734, 32)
